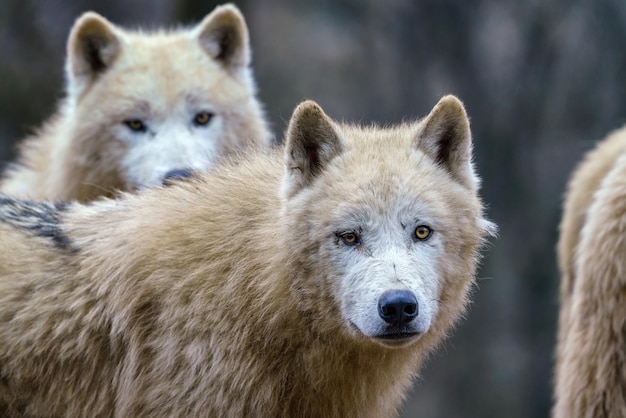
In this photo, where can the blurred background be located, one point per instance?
(543, 81)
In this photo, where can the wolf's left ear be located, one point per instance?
(92, 47)
(311, 141)
(447, 139)
(224, 36)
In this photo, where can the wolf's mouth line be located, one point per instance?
(397, 335)
(388, 336)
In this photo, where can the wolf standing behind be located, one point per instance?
(139, 106)
(307, 284)
(590, 372)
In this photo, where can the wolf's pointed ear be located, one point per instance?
(92, 47)
(312, 140)
(447, 139)
(224, 36)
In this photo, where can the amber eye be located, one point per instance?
(202, 118)
(349, 238)
(135, 125)
(423, 232)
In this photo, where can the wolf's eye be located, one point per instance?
(135, 125)
(349, 238)
(202, 118)
(423, 232)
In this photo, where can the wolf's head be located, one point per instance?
(386, 223)
(144, 104)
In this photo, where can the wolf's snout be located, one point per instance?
(398, 307)
(176, 174)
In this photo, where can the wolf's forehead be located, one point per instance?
(365, 193)
(168, 85)
(167, 69)
(400, 183)
(187, 68)
(386, 165)
(380, 147)
(175, 67)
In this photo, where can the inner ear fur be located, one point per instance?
(223, 35)
(312, 140)
(447, 139)
(93, 46)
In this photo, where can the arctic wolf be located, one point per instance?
(307, 284)
(590, 378)
(142, 105)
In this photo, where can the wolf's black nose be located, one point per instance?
(397, 307)
(176, 174)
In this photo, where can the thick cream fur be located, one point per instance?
(590, 375)
(225, 295)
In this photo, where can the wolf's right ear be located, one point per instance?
(92, 47)
(311, 141)
(224, 37)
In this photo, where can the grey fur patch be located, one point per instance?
(40, 218)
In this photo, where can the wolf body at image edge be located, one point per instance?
(140, 105)
(590, 371)
(311, 282)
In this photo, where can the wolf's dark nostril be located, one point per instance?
(410, 309)
(176, 174)
(398, 307)
(388, 310)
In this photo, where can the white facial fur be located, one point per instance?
(387, 258)
(170, 140)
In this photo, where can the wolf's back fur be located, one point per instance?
(590, 375)
(139, 105)
(233, 294)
